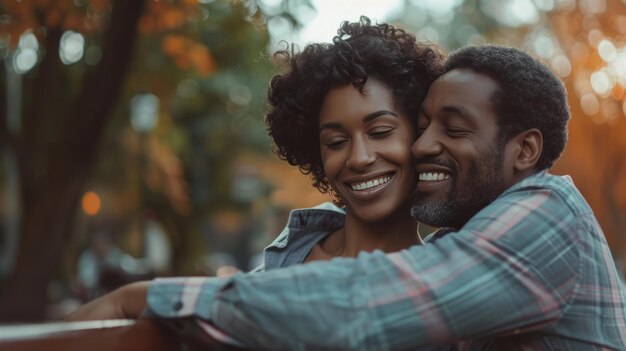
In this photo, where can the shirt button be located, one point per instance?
(177, 306)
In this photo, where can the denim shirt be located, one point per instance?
(305, 228)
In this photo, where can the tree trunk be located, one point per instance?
(54, 170)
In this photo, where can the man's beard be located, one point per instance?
(463, 201)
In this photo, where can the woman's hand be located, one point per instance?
(126, 302)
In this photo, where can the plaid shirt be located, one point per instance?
(531, 271)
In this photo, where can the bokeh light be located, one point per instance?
(582, 84)
(590, 104)
(144, 110)
(91, 203)
(618, 66)
(93, 54)
(24, 60)
(601, 82)
(592, 6)
(607, 50)
(26, 57)
(594, 37)
(611, 110)
(28, 40)
(72, 47)
(512, 13)
(544, 46)
(561, 66)
(544, 5)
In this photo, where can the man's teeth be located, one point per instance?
(433, 176)
(370, 183)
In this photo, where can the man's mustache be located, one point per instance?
(436, 161)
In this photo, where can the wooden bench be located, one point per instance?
(108, 335)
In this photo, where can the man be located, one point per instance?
(523, 264)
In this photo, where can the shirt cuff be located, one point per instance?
(182, 298)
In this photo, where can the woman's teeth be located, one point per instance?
(370, 183)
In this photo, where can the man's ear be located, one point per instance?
(526, 149)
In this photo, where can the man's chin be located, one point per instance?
(435, 214)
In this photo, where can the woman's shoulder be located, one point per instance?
(305, 227)
(325, 214)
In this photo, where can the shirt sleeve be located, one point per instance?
(512, 268)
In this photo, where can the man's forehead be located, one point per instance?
(461, 92)
(462, 83)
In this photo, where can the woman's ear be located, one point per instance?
(527, 150)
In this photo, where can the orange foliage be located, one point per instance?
(183, 61)
(160, 17)
(184, 50)
(596, 152)
(186, 54)
(73, 21)
(202, 60)
(172, 18)
(53, 18)
(164, 16)
(174, 45)
(36, 15)
(618, 92)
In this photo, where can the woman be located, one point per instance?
(345, 114)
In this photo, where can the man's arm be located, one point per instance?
(512, 267)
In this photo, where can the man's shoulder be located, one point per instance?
(544, 180)
(559, 188)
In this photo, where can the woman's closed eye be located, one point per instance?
(381, 132)
(335, 143)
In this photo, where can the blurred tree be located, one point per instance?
(593, 38)
(59, 134)
(71, 59)
(584, 42)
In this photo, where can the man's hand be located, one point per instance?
(126, 302)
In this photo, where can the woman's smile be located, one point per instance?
(365, 143)
(368, 188)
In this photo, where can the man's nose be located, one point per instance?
(428, 143)
(361, 154)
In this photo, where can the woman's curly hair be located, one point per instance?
(360, 50)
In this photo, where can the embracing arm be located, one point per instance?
(513, 267)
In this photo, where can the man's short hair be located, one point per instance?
(530, 95)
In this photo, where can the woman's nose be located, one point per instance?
(361, 154)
